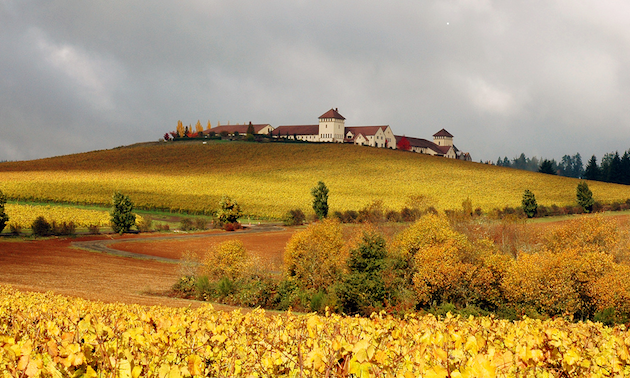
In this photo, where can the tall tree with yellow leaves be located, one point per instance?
(180, 129)
(209, 125)
(198, 127)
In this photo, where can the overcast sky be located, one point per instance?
(546, 78)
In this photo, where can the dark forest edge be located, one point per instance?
(614, 168)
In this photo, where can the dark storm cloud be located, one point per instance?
(544, 78)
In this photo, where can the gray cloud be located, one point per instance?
(543, 78)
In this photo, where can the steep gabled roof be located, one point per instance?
(332, 113)
(242, 129)
(296, 130)
(365, 130)
(443, 133)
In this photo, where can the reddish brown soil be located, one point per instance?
(54, 265)
(268, 246)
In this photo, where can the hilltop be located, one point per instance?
(268, 179)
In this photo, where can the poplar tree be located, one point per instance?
(4, 218)
(320, 200)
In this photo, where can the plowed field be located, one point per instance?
(55, 265)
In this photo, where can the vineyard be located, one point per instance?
(55, 336)
(22, 216)
(270, 179)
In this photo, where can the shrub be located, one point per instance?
(409, 214)
(294, 217)
(144, 224)
(200, 224)
(229, 211)
(122, 217)
(186, 224)
(372, 213)
(163, 227)
(15, 229)
(93, 229)
(393, 216)
(63, 228)
(315, 257)
(41, 227)
(444, 266)
(185, 286)
(228, 259)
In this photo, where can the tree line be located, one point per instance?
(614, 168)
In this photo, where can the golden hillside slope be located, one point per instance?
(269, 179)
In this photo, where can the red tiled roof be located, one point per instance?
(332, 113)
(242, 129)
(296, 129)
(443, 133)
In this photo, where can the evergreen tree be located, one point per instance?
(250, 129)
(625, 168)
(605, 167)
(122, 218)
(547, 167)
(4, 218)
(592, 171)
(585, 197)
(320, 200)
(530, 206)
(363, 289)
(614, 172)
(578, 167)
(521, 162)
(565, 168)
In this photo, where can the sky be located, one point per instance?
(545, 78)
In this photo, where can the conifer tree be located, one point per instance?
(585, 197)
(122, 218)
(592, 171)
(4, 218)
(530, 206)
(363, 289)
(320, 200)
(250, 129)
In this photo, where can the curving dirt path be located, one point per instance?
(104, 246)
(64, 266)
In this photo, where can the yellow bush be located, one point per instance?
(585, 234)
(445, 266)
(316, 257)
(612, 290)
(228, 259)
(557, 283)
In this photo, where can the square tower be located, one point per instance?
(331, 127)
(443, 138)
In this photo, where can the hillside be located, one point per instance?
(269, 179)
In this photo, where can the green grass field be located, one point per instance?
(270, 179)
